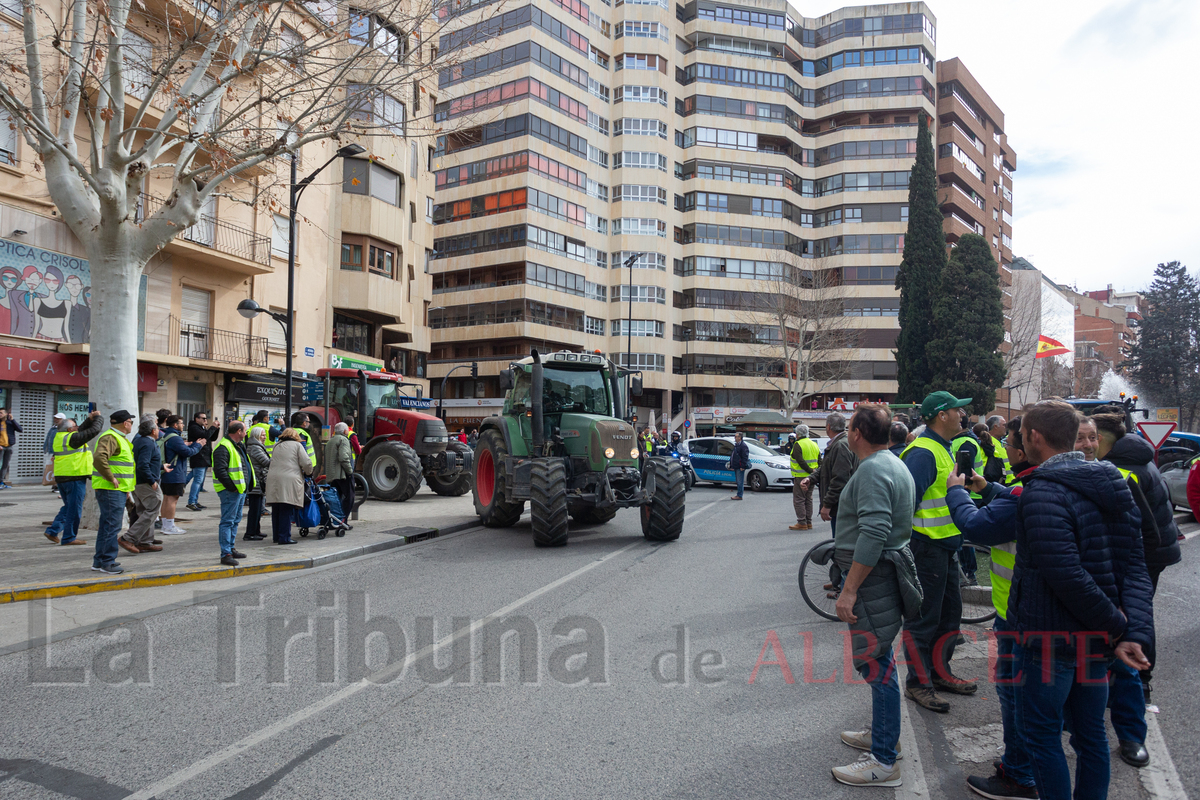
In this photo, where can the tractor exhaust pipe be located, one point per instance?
(535, 391)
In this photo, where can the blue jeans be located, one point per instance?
(66, 524)
(740, 475)
(231, 517)
(112, 515)
(885, 706)
(1016, 758)
(1047, 704)
(1127, 703)
(196, 476)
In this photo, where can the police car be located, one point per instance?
(710, 454)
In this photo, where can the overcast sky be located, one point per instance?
(1100, 105)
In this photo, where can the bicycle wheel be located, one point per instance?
(813, 578)
(977, 594)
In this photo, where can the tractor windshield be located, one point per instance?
(382, 394)
(584, 391)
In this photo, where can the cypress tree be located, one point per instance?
(968, 323)
(920, 272)
(1165, 362)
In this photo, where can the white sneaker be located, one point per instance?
(867, 771)
(172, 530)
(862, 741)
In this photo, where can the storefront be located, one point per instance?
(470, 412)
(34, 386)
(246, 395)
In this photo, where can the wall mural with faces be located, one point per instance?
(48, 295)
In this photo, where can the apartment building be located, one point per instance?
(727, 144)
(1105, 332)
(975, 166)
(362, 284)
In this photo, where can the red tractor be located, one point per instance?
(400, 444)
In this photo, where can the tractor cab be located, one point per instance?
(401, 444)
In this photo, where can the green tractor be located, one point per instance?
(561, 445)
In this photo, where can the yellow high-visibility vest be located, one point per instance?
(120, 464)
(932, 517)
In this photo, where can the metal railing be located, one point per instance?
(216, 234)
(206, 344)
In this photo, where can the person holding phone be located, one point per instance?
(935, 542)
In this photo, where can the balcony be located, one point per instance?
(175, 337)
(215, 242)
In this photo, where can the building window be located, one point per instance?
(415, 161)
(352, 335)
(8, 139)
(377, 108)
(291, 46)
(593, 326)
(381, 260)
(281, 235)
(352, 257)
(651, 362)
(276, 338)
(360, 176)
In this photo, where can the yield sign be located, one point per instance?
(1156, 432)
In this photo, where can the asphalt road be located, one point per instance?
(588, 699)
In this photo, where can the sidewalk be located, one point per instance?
(35, 567)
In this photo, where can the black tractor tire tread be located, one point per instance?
(500, 514)
(407, 458)
(664, 522)
(548, 502)
(594, 516)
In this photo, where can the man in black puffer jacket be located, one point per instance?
(1080, 595)
(1134, 456)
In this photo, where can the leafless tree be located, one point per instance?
(201, 98)
(802, 331)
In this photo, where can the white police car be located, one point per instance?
(710, 454)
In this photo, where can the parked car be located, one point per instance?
(1176, 476)
(710, 454)
(1178, 447)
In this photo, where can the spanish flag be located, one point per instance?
(1047, 347)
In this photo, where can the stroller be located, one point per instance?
(322, 510)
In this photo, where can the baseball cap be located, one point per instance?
(60, 415)
(941, 401)
(117, 417)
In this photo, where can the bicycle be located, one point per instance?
(821, 581)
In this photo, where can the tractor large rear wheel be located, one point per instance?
(548, 502)
(393, 471)
(490, 481)
(662, 517)
(453, 485)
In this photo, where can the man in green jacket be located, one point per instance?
(339, 466)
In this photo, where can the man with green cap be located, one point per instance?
(934, 545)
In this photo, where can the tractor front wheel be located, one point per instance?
(490, 482)
(662, 517)
(454, 485)
(393, 471)
(548, 502)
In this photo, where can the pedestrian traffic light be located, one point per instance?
(474, 369)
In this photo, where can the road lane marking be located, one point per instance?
(382, 676)
(913, 774)
(1159, 777)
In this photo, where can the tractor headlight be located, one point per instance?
(609, 452)
(434, 439)
(633, 453)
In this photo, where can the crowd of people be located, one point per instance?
(143, 478)
(1079, 527)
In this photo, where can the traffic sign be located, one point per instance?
(314, 392)
(310, 351)
(1156, 432)
(687, 423)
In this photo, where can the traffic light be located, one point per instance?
(474, 369)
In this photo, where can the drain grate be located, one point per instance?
(412, 534)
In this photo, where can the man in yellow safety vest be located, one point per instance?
(232, 478)
(113, 478)
(934, 546)
(995, 525)
(72, 468)
(805, 457)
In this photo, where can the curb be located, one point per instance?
(17, 594)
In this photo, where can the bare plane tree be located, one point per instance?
(207, 98)
(808, 340)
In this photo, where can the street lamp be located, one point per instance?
(295, 189)
(629, 262)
